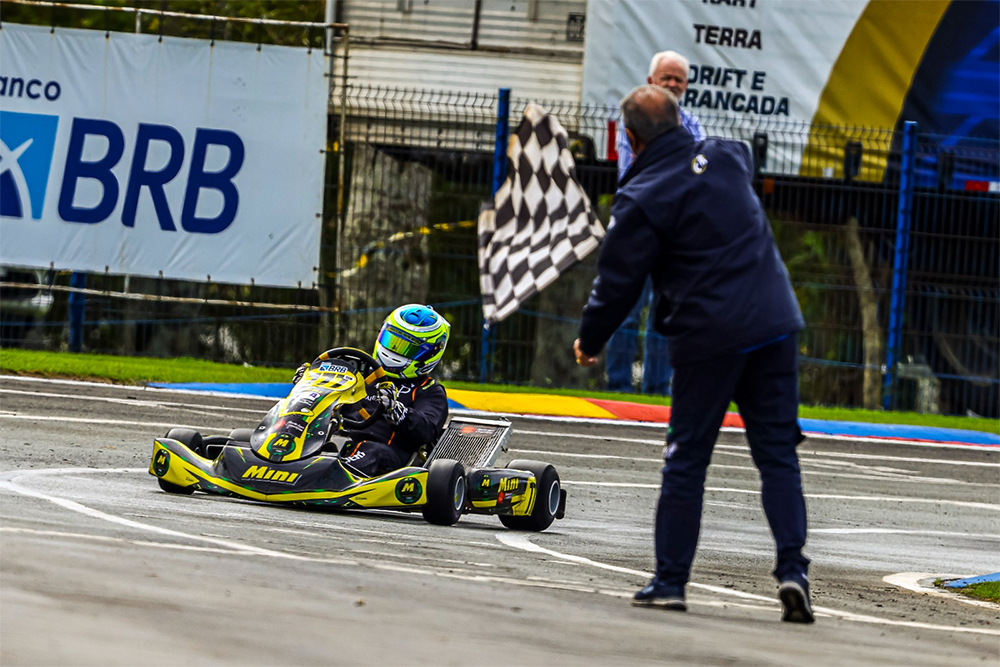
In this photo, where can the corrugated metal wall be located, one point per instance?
(504, 24)
(508, 25)
(466, 71)
(521, 45)
(436, 21)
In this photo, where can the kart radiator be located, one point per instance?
(475, 443)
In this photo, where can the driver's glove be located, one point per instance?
(299, 372)
(395, 412)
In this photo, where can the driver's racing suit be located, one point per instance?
(416, 418)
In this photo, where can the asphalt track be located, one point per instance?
(98, 566)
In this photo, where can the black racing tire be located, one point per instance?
(547, 498)
(241, 434)
(189, 438)
(173, 488)
(446, 491)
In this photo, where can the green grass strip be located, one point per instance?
(143, 370)
(987, 590)
(131, 370)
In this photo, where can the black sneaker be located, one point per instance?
(795, 607)
(657, 594)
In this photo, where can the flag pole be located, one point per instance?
(487, 345)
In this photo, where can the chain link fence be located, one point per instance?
(399, 227)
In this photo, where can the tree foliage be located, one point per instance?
(116, 21)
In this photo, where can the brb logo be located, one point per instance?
(27, 144)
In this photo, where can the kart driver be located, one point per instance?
(415, 407)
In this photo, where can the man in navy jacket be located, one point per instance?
(686, 214)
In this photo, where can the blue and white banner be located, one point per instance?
(177, 158)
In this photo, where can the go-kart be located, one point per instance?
(291, 458)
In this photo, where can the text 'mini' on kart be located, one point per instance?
(291, 458)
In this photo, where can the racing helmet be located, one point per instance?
(411, 341)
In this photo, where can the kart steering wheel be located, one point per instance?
(372, 372)
(365, 363)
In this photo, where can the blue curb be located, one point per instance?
(265, 389)
(899, 431)
(962, 583)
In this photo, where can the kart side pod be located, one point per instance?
(526, 495)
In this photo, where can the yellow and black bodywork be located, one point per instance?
(323, 480)
(287, 461)
(501, 491)
(318, 480)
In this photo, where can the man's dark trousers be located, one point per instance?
(764, 384)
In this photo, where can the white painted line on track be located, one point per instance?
(521, 541)
(110, 422)
(864, 472)
(745, 449)
(538, 418)
(662, 426)
(903, 459)
(119, 540)
(586, 436)
(8, 481)
(574, 455)
(922, 582)
(515, 540)
(902, 531)
(134, 402)
(134, 387)
(623, 485)
(821, 496)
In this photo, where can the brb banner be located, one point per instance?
(176, 158)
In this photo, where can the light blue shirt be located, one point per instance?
(625, 154)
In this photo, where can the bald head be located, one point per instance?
(649, 111)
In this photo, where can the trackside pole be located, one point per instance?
(488, 337)
(904, 219)
(77, 306)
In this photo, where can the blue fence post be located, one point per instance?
(904, 218)
(77, 305)
(488, 337)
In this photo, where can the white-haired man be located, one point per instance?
(667, 69)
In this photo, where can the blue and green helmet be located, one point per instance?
(411, 341)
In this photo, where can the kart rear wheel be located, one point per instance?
(547, 497)
(445, 492)
(174, 488)
(189, 438)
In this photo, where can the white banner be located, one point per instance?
(176, 158)
(767, 58)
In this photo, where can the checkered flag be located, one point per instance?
(539, 223)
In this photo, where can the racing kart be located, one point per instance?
(291, 458)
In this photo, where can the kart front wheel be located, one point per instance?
(189, 438)
(174, 488)
(445, 492)
(548, 495)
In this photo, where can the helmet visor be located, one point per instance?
(407, 345)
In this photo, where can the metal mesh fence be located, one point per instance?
(419, 163)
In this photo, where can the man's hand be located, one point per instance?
(582, 358)
(299, 372)
(395, 412)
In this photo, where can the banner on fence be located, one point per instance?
(178, 158)
(786, 63)
(540, 221)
